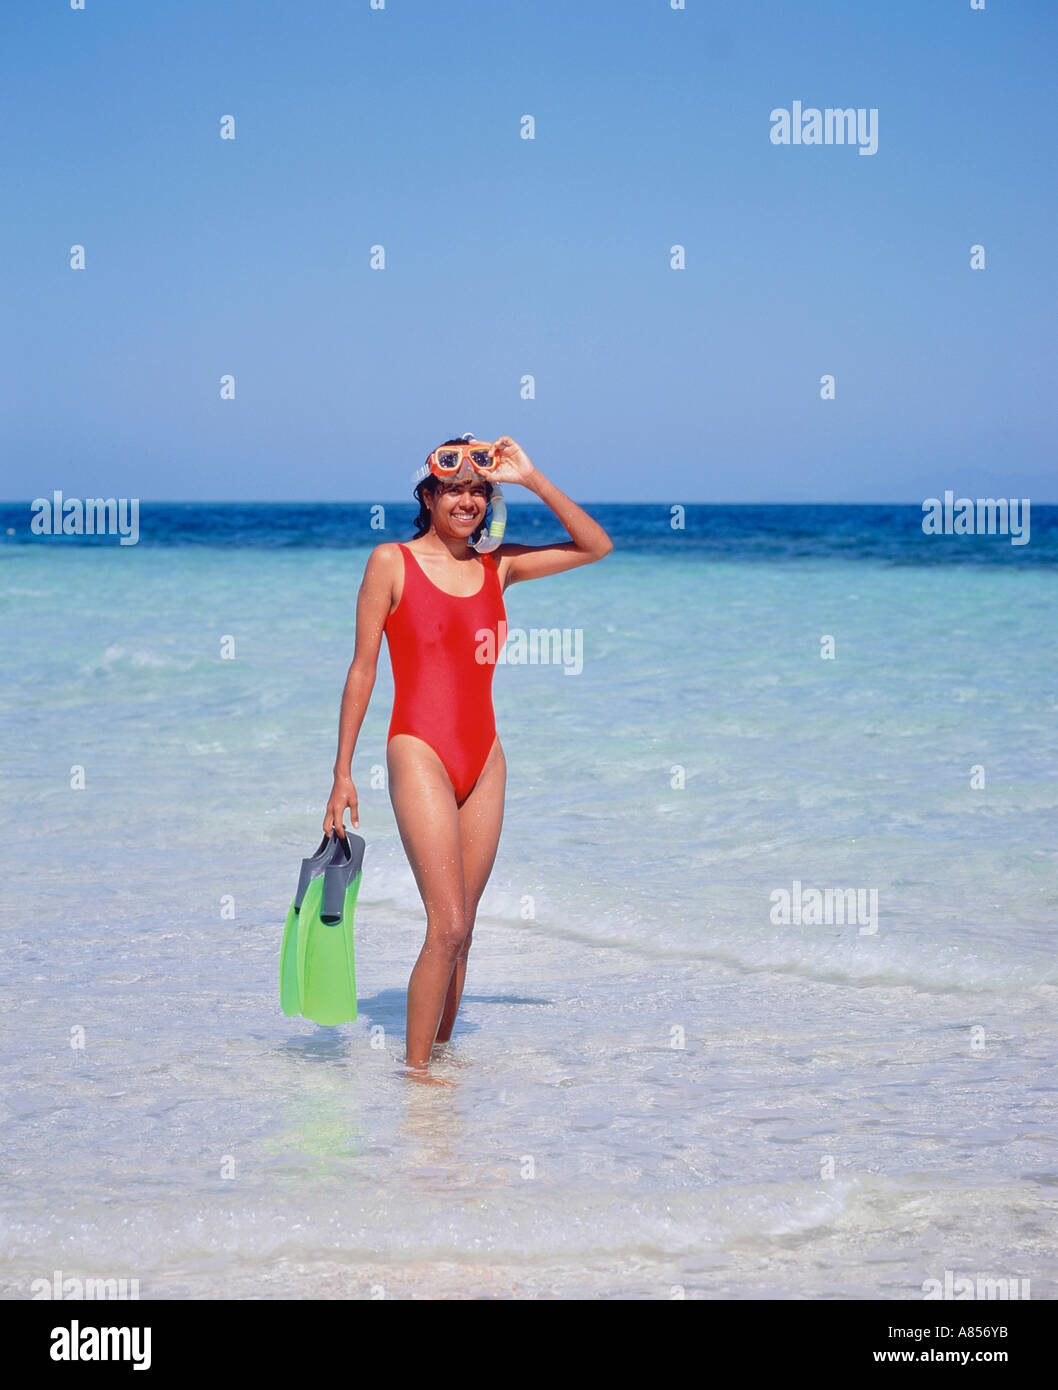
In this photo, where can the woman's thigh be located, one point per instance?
(480, 822)
(429, 824)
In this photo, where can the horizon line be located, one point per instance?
(410, 502)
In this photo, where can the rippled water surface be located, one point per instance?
(651, 1083)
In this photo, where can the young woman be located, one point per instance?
(435, 599)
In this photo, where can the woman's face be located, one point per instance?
(459, 508)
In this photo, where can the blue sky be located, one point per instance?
(507, 257)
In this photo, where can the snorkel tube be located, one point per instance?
(497, 525)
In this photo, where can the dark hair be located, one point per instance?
(430, 484)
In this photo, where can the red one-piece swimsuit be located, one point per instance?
(443, 663)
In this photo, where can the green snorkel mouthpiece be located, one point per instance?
(497, 525)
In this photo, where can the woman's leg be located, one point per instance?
(429, 825)
(480, 821)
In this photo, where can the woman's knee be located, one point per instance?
(447, 935)
(468, 927)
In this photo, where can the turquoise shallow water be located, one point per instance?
(652, 1083)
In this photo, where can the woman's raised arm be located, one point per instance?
(589, 541)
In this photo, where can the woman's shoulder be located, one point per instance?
(385, 558)
(387, 551)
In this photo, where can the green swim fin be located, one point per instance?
(317, 978)
(311, 867)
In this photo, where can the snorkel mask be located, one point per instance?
(456, 463)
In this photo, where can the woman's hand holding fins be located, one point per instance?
(343, 794)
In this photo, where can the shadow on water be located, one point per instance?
(325, 1044)
(387, 1008)
(502, 999)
